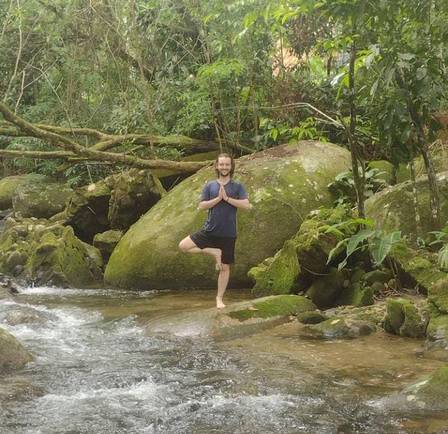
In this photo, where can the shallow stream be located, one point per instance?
(99, 368)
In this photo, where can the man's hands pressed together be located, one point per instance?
(222, 193)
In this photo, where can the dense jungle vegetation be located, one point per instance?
(88, 87)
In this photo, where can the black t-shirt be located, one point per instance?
(221, 220)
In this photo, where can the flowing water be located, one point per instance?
(100, 368)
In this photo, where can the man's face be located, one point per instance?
(224, 165)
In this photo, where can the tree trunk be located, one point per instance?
(354, 151)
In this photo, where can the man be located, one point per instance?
(217, 238)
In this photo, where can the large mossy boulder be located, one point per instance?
(41, 200)
(394, 209)
(48, 254)
(301, 258)
(284, 184)
(12, 353)
(10, 184)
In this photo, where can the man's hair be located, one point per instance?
(232, 163)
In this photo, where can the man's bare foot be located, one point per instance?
(219, 303)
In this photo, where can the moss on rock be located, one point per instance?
(49, 254)
(308, 248)
(325, 291)
(356, 294)
(284, 184)
(404, 319)
(416, 267)
(106, 242)
(437, 331)
(280, 305)
(341, 328)
(277, 275)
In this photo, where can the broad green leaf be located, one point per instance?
(358, 238)
(381, 246)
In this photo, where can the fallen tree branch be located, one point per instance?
(68, 144)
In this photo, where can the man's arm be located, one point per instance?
(206, 204)
(239, 203)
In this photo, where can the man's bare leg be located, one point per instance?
(188, 246)
(223, 280)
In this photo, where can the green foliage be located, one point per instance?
(376, 242)
(343, 187)
(441, 240)
(272, 132)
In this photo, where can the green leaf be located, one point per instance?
(358, 238)
(336, 250)
(443, 257)
(381, 246)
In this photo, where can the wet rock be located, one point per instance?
(10, 184)
(311, 317)
(430, 393)
(25, 315)
(267, 307)
(239, 319)
(284, 184)
(12, 353)
(106, 242)
(404, 318)
(374, 314)
(18, 388)
(340, 328)
(8, 287)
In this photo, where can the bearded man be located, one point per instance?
(221, 197)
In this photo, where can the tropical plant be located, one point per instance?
(375, 242)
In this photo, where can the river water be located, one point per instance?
(100, 368)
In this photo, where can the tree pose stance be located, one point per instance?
(221, 197)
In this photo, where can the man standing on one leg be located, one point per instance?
(217, 238)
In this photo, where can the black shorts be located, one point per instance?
(227, 245)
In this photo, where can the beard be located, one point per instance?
(224, 172)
